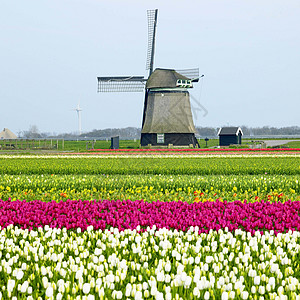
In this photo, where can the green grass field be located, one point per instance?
(82, 146)
(292, 144)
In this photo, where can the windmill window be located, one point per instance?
(160, 138)
(179, 82)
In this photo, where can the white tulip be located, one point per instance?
(59, 296)
(43, 271)
(168, 296)
(188, 281)
(191, 260)
(61, 288)
(114, 294)
(221, 281)
(167, 278)
(95, 260)
(224, 296)
(216, 269)
(90, 228)
(205, 267)
(79, 274)
(145, 286)
(291, 287)
(123, 276)
(196, 292)
(206, 295)
(161, 277)
(128, 290)
(138, 296)
(272, 282)
(63, 272)
(257, 280)
(49, 291)
(101, 292)
(261, 289)
(153, 290)
(29, 290)
(244, 295)
(168, 267)
(209, 259)
(10, 285)
(159, 296)
(183, 276)
(110, 278)
(197, 260)
(24, 287)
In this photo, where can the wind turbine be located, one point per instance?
(79, 110)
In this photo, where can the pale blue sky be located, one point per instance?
(51, 53)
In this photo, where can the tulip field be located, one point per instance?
(150, 226)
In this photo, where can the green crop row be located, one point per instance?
(151, 165)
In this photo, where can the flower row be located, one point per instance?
(198, 150)
(190, 165)
(158, 264)
(187, 188)
(263, 216)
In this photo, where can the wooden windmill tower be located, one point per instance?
(167, 116)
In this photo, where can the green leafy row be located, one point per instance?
(152, 165)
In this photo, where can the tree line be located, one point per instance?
(135, 133)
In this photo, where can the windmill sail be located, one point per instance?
(190, 73)
(121, 84)
(152, 20)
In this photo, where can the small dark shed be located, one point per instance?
(230, 135)
(114, 142)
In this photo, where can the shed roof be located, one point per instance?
(6, 134)
(230, 131)
(164, 78)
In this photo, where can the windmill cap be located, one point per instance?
(164, 78)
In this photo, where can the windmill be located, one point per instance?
(78, 110)
(167, 116)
